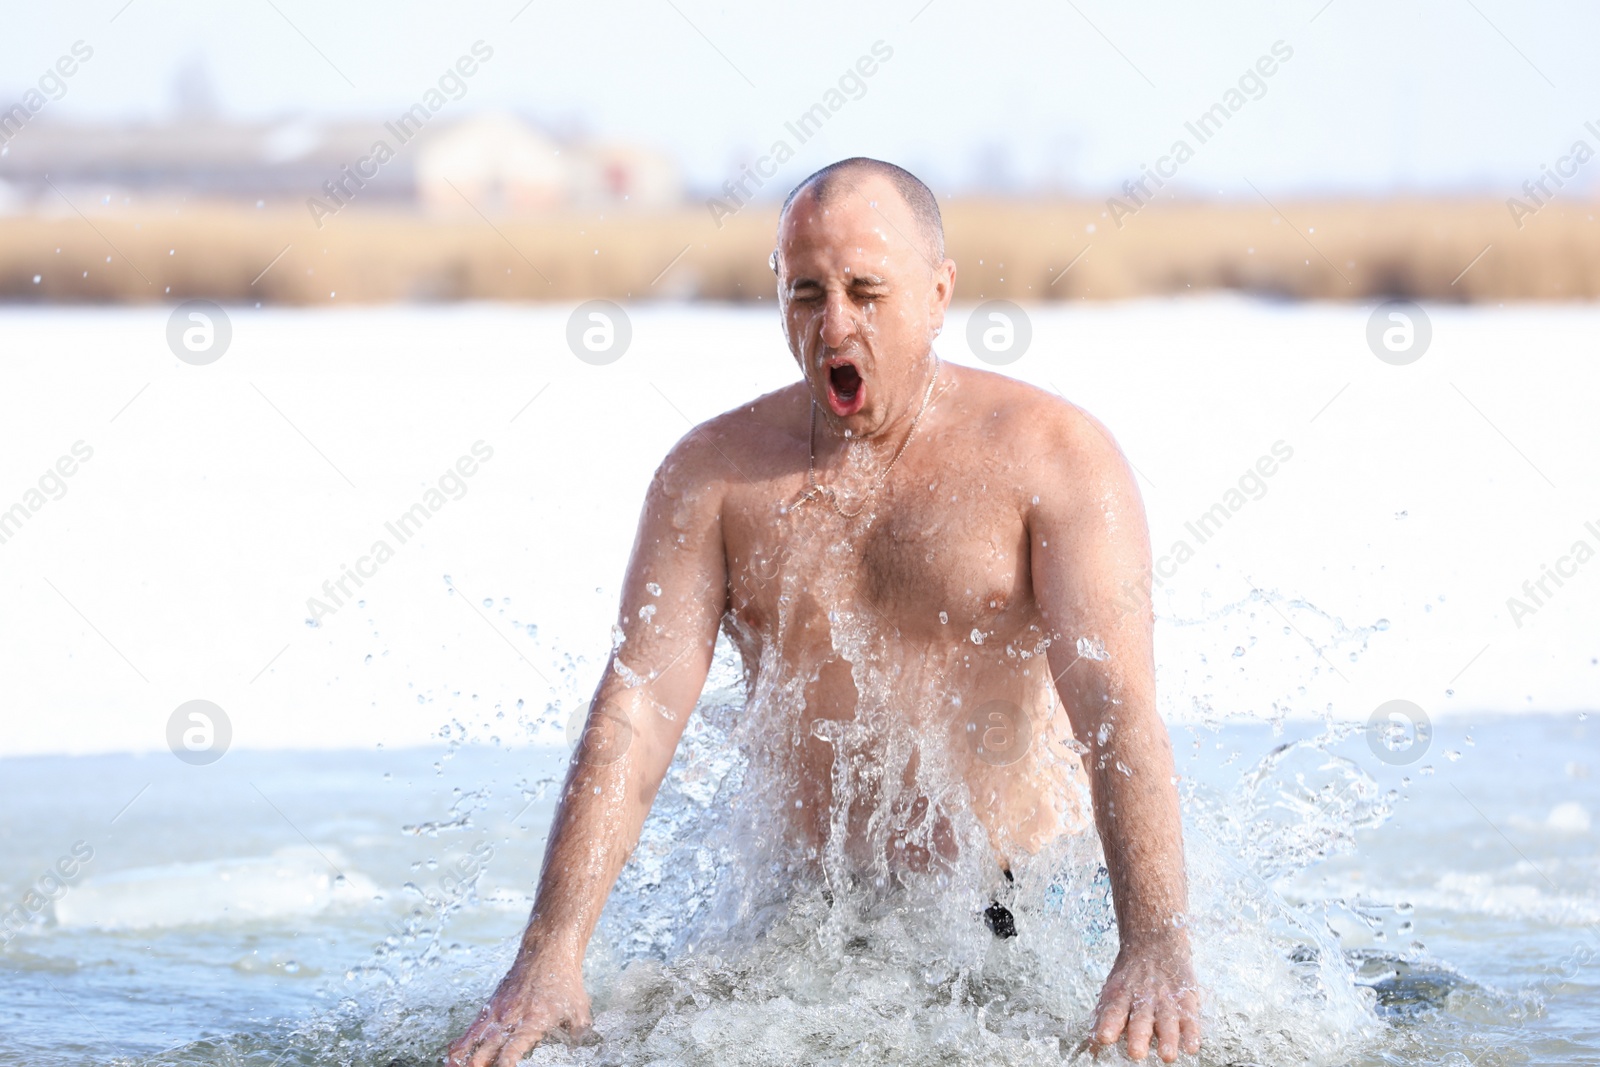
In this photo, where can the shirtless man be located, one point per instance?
(983, 532)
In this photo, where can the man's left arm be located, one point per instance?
(1090, 561)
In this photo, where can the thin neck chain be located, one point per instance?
(813, 489)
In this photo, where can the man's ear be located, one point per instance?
(940, 293)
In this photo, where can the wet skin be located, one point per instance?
(1010, 511)
(935, 578)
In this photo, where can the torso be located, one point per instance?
(918, 613)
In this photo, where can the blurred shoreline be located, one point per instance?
(1457, 250)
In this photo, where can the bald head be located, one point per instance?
(838, 180)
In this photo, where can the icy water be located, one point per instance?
(354, 907)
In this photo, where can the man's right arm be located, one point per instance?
(673, 598)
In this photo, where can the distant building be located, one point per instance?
(500, 163)
(503, 165)
(626, 174)
(497, 163)
(205, 158)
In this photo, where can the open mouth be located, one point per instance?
(845, 388)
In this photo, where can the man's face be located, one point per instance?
(861, 302)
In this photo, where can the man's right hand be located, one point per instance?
(530, 1003)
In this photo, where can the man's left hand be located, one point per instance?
(1151, 991)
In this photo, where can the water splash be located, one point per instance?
(732, 938)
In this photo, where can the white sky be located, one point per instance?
(1439, 94)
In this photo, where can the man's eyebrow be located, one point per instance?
(859, 281)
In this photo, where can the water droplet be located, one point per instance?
(976, 635)
(944, 618)
(1238, 650)
(652, 588)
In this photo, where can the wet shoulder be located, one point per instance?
(1036, 429)
(742, 445)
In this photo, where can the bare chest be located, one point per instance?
(937, 558)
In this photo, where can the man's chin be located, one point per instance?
(862, 419)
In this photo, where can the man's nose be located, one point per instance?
(838, 321)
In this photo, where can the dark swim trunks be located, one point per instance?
(999, 917)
